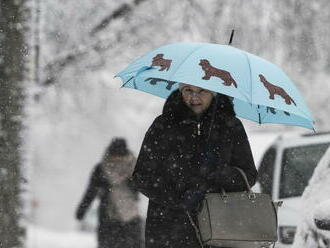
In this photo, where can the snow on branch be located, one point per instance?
(121, 11)
(55, 66)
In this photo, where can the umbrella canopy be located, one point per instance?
(260, 90)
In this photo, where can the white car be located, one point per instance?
(284, 173)
(314, 230)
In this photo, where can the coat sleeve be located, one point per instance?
(90, 193)
(241, 157)
(130, 181)
(147, 176)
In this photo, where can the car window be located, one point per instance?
(298, 164)
(266, 169)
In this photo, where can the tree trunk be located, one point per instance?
(12, 70)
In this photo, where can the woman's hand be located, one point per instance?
(79, 214)
(191, 200)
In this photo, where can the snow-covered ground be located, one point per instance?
(49, 237)
(38, 237)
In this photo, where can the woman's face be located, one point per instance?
(197, 99)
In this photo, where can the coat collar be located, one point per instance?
(176, 110)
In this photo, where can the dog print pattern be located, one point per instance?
(159, 60)
(276, 90)
(211, 71)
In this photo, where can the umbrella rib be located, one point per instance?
(264, 116)
(196, 49)
(301, 114)
(184, 60)
(250, 77)
(261, 117)
(127, 81)
(304, 114)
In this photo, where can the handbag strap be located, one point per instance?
(252, 195)
(245, 178)
(198, 235)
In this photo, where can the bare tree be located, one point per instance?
(61, 62)
(13, 52)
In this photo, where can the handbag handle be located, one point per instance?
(245, 179)
(252, 195)
(198, 234)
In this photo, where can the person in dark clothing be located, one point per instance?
(119, 221)
(189, 150)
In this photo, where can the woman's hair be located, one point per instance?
(117, 147)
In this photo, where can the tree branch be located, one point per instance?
(61, 62)
(121, 11)
(53, 68)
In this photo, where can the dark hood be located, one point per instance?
(175, 108)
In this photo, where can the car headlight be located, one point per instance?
(286, 234)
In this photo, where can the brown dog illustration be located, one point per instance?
(159, 60)
(211, 71)
(276, 90)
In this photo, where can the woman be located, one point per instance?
(119, 221)
(189, 150)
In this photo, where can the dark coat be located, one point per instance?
(111, 232)
(177, 158)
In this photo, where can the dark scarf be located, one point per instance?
(220, 110)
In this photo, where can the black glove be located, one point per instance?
(192, 200)
(80, 214)
(208, 165)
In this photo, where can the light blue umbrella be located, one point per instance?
(261, 91)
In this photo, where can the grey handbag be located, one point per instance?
(237, 219)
